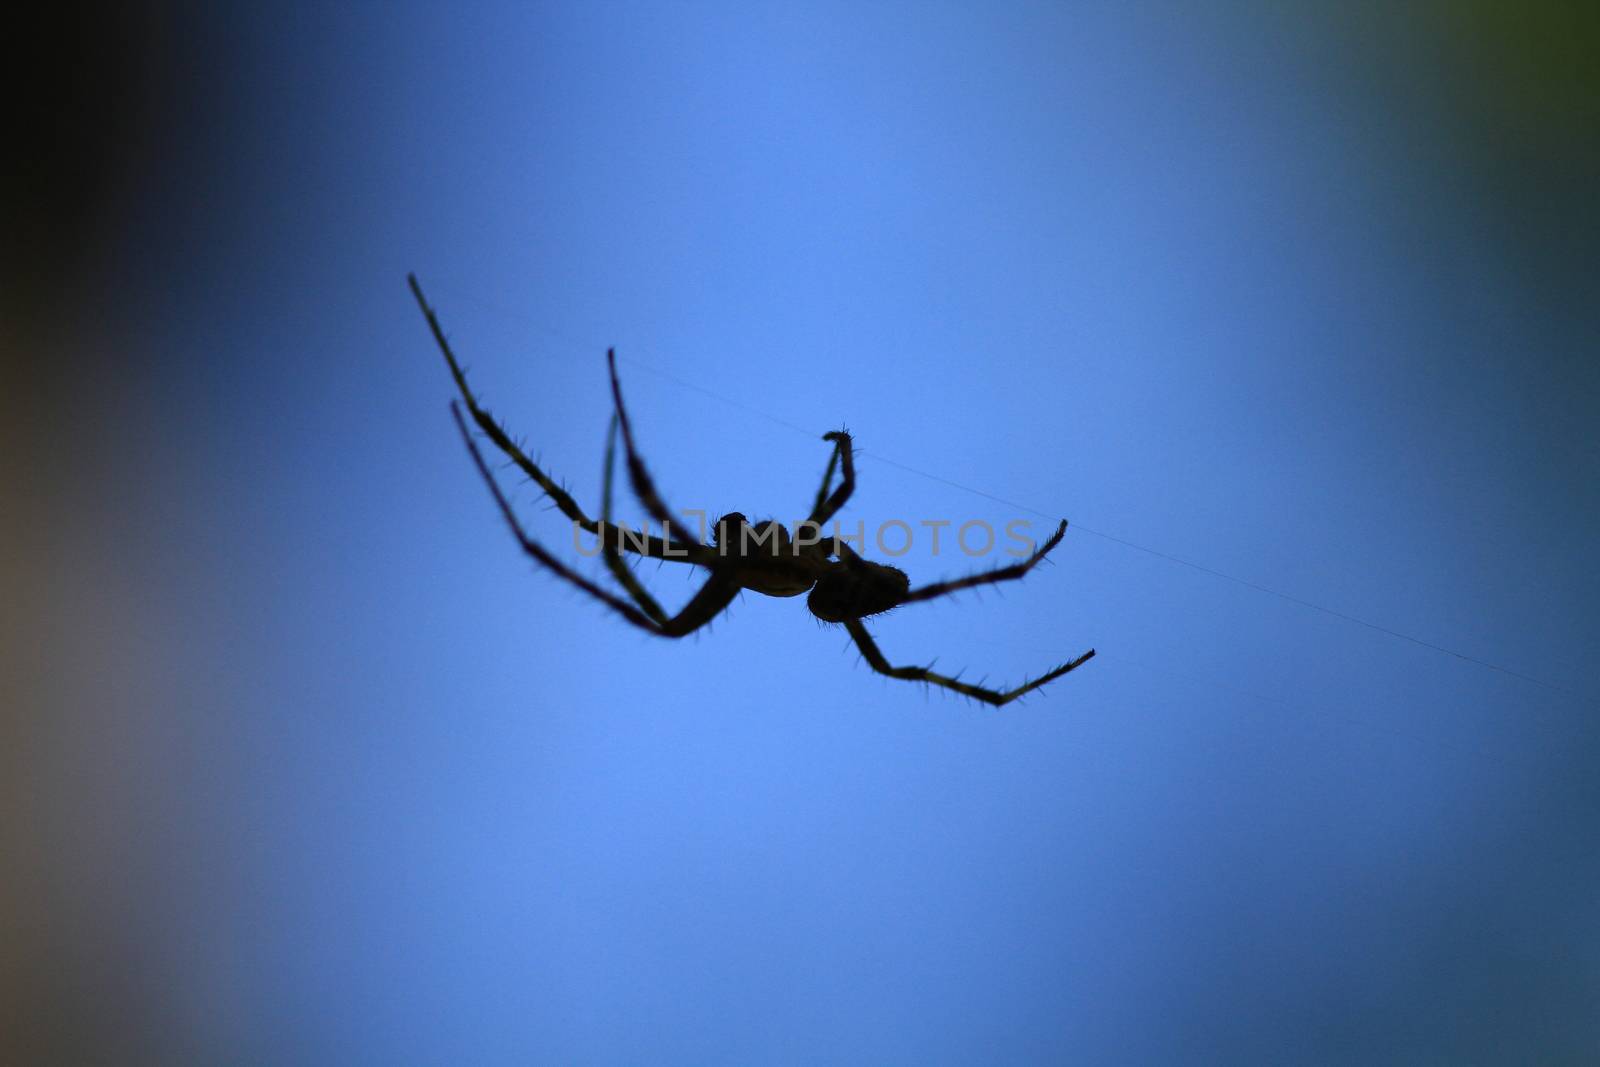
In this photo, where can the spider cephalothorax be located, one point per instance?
(763, 557)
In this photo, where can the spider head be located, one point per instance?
(729, 530)
(737, 536)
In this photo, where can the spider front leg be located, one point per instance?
(644, 487)
(614, 561)
(843, 458)
(618, 566)
(706, 605)
(649, 546)
(999, 574)
(997, 697)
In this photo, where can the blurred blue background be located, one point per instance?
(305, 763)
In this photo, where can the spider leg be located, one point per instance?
(651, 546)
(843, 458)
(997, 697)
(644, 487)
(999, 574)
(618, 566)
(713, 597)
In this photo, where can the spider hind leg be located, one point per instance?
(997, 697)
(999, 574)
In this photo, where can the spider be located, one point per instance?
(763, 557)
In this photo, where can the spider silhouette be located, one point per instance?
(763, 557)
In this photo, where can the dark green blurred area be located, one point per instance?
(1510, 96)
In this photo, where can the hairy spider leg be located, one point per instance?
(997, 697)
(651, 546)
(999, 574)
(706, 605)
(644, 487)
(619, 566)
(827, 479)
(843, 458)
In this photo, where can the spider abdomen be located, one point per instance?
(856, 591)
